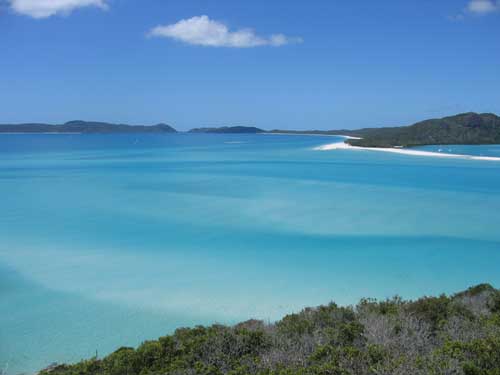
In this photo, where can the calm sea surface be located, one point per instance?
(108, 240)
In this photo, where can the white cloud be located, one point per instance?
(47, 8)
(482, 6)
(203, 31)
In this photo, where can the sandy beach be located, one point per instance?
(404, 151)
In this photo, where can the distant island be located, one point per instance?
(85, 127)
(228, 130)
(458, 334)
(95, 127)
(466, 128)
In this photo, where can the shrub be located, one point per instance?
(429, 336)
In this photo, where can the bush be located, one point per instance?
(432, 335)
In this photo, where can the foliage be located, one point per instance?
(457, 334)
(466, 128)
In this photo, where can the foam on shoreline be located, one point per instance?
(403, 151)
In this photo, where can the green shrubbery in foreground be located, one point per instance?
(459, 334)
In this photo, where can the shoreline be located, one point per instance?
(403, 151)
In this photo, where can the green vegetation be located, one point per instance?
(89, 127)
(457, 334)
(466, 128)
(228, 130)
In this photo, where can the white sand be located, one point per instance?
(334, 146)
(404, 151)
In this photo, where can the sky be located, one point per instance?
(324, 64)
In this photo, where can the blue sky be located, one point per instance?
(293, 64)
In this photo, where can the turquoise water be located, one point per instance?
(108, 240)
(480, 150)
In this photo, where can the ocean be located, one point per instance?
(110, 240)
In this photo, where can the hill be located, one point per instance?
(86, 127)
(466, 128)
(228, 130)
(458, 334)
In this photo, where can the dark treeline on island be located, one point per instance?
(95, 127)
(86, 127)
(466, 128)
(458, 334)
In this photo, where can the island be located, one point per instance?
(466, 128)
(228, 130)
(457, 334)
(85, 127)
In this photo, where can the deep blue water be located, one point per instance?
(108, 240)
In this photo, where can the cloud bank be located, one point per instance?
(47, 8)
(203, 31)
(483, 6)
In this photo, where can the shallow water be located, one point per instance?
(108, 240)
